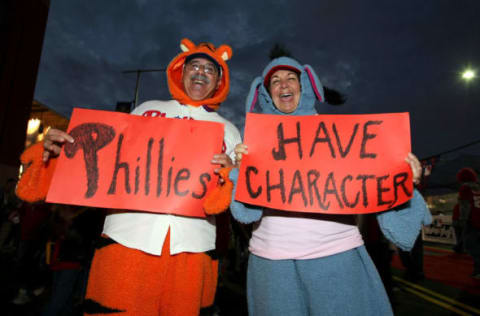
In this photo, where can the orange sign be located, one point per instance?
(125, 161)
(339, 164)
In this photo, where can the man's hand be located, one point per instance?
(223, 160)
(53, 142)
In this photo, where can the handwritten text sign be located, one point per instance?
(341, 164)
(132, 162)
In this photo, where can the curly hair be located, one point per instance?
(466, 175)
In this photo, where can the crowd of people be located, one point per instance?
(143, 263)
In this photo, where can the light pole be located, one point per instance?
(139, 72)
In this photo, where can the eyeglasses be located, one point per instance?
(208, 69)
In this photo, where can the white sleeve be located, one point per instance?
(145, 105)
(231, 138)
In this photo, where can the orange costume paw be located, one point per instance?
(219, 199)
(35, 181)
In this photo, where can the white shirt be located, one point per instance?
(147, 231)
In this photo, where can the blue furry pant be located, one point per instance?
(342, 284)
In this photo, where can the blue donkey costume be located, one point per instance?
(345, 283)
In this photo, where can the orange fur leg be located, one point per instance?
(126, 281)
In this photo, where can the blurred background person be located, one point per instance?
(469, 215)
(9, 216)
(74, 230)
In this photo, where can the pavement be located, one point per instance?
(447, 289)
(428, 297)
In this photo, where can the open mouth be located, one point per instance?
(286, 95)
(199, 79)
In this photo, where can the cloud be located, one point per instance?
(386, 57)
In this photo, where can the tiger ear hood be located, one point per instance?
(175, 72)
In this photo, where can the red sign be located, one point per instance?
(340, 164)
(125, 161)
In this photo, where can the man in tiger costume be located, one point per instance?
(161, 264)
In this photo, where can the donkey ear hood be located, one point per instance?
(252, 97)
(315, 83)
(175, 72)
(312, 88)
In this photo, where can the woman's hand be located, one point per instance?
(240, 150)
(53, 141)
(416, 167)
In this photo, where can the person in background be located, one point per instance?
(458, 227)
(9, 215)
(30, 269)
(469, 214)
(412, 260)
(379, 249)
(73, 232)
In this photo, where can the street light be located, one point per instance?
(468, 75)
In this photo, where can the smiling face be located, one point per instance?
(200, 79)
(284, 87)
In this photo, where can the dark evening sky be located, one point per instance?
(386, 56)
